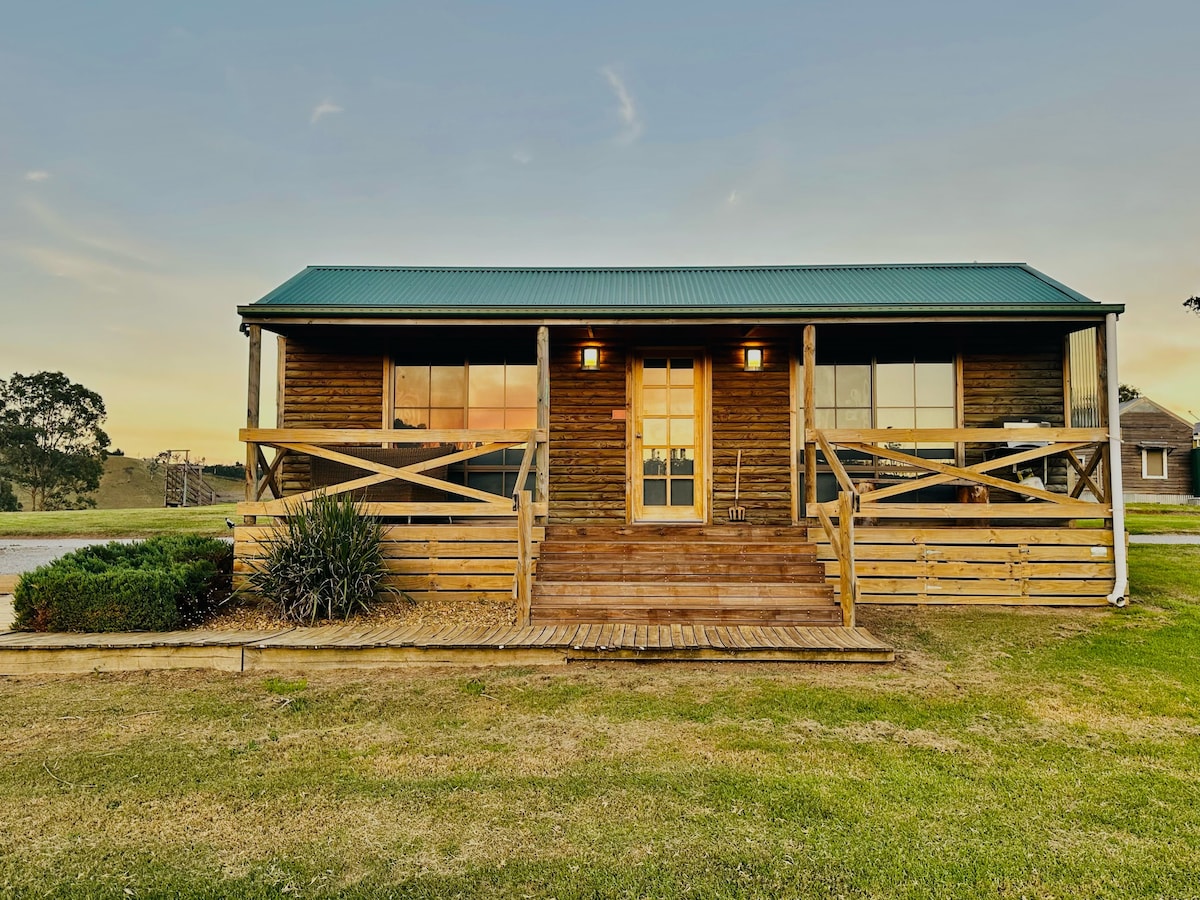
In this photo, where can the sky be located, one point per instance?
(161, 163)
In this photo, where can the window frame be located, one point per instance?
(1146, 451)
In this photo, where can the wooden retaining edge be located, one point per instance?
(73, 660)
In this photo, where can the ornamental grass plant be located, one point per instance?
(324, 562)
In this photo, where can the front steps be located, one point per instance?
(681, 574)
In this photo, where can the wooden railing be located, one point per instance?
(336, 445)
(881, 444)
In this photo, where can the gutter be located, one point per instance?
(1115, 481)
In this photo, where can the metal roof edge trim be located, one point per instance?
(530, 312)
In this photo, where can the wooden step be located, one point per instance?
(558, 568)
(681, 574)
(670, 615)
(718, 533)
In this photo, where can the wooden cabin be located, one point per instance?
(1156, 454)
(750, 445)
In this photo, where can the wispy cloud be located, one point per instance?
(524, 157)
(36, 175)
(102, 236)
(323, 109)
(734, 198)
(626, 107)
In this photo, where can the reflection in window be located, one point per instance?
(901, 395)
(476, 397)
(466, 396)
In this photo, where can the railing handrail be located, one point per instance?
(389, 435)
(1026, 434)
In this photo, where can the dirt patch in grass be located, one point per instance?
(252, 615)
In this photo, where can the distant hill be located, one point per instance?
(128, 484)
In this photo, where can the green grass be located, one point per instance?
(1155, 518)
(112, 523)
(1009, 753)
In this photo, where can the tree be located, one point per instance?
(51, 442)
(8, 499)
(1127, 392)
(1192, 303)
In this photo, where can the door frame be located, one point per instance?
(703, 481)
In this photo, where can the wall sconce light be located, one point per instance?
(589, 359)
(754, 359)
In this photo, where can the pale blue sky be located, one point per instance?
(161, 163)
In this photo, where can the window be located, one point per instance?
(476, 396)
(1154, 462)
(910, 394)
(885, 393)
(465, 396)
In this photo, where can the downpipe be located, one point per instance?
(1115, 481)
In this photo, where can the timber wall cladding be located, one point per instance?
(1159, 428)
(327, 387)
(428, 562)
(587, 445)
(751, 412)
(1005, 566)
(1011, 377)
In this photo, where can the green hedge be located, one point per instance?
(160, 584)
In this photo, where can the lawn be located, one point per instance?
(114, 523)
(1156, 518)
(1010, 753)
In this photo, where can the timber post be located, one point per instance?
(849, 578)
(810, 415)
(253, 393)
(542, 493)
(524, 581)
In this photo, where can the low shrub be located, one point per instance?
(324, 562)
(160, 584)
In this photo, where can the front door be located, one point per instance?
(668, 438)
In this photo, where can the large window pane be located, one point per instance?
(520, 418)
(447, 387)
(485, 418)
(446, 418)
(894, 385)
(894, 417)
(520, 386)
(412, 387)
(823, 387)
(853, 418)
(485, 386)
(853, 386)
(935, 384)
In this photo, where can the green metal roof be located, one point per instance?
(947, 288)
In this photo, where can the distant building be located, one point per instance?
(1156, 453)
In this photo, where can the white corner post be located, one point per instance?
(1116, 490)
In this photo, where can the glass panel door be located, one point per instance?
(667, 453)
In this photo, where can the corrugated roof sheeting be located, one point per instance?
(953, 286)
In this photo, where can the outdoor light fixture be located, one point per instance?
(589, 359)
(754, 359)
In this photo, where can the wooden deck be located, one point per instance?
(348, 646)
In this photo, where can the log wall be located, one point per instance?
(587, 445)
(751, 411)
(327, 388)
(1001, 383)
